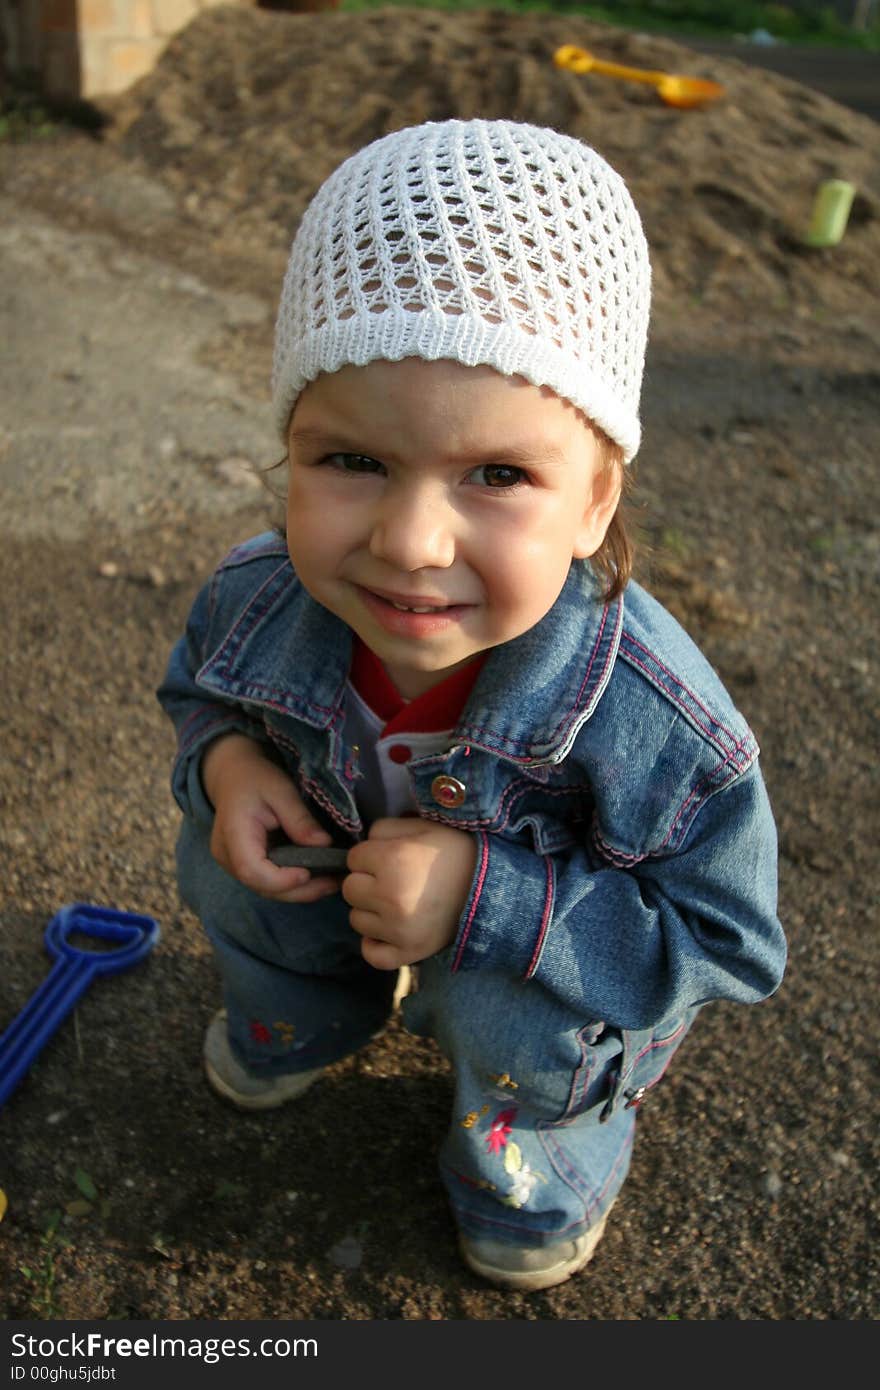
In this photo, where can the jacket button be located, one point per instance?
(448, 791)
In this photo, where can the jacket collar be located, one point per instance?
(532, 695)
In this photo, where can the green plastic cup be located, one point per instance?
(830, 214)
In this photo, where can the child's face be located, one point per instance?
(448, 489)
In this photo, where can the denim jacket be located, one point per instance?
(626, 847)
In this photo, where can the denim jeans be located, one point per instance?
(543, 1118)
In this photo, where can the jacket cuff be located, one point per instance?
(508, 912)
(186, 780)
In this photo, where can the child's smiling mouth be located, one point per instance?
(413, 608)
(409, 615)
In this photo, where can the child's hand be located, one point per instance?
(251, 797)
(407, 887)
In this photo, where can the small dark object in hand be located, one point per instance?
(322, 858)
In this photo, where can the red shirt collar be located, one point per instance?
(434, 712)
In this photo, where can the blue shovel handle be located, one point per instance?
(129, 934)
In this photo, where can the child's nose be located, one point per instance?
(414, 531)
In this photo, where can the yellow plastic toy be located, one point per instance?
(683, 92)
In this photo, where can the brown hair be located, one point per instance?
(613, 561)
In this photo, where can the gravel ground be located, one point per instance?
(137, 302)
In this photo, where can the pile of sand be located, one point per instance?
(249, 110)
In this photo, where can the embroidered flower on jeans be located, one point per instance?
(505, 1079)
(499, 1129)
(472, 1116)
(525, 1179)
(259, 1032)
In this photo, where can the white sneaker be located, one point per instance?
(531, 1267)
(231, 1081)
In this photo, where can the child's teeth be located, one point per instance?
(402, 607)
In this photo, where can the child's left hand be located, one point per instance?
(407, 887)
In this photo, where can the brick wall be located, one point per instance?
(87, 48)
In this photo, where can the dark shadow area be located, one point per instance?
(28, 112)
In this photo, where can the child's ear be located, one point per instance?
(602, 500)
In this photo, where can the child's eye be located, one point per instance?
(499, 476)
(354, 463)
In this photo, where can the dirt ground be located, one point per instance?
(138, 282)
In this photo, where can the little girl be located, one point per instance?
(443, 667)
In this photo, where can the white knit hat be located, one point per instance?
(487, 242)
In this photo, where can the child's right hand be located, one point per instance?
(251, 796)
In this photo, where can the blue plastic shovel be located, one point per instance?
(132, 937)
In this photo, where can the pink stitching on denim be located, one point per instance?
(564, 1163)
(735, 771)
(547, 1138)
(696, 793)
(696, 699)
(659, 1042)
(565, 723)
(545, 918)
(509, 792)
(285, 741)
(716, 723)
(248, 551)
(652, 676)
(186, 743)
(318, 795)
(196, 715)
(272, 700)
(585, 1065)
(315, 788)
(212, 599)
(617, 1162)
(240, 626)
(589, 1207)
(484, 868)
(224, 658)
(545, 1132)
(617, 857)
